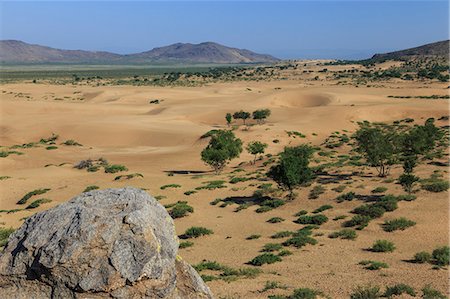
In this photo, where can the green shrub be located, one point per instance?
(366, 292)
(27, 196)
(340, 217)
(269, 247)
(371, 210)
(373, 265)
(271, 285)
(236, 180)
(397, 224)
(435, 185)
(37, 203)
(339, 188)
(71, 142)
(300, 238)
(275, 220)
(163, 187)
(399, 289)
(304, 293)
(359, 221)
(379, 190)
(51, 147)
(211, 185)
(196, 231)
(265, 258)
(406, 197)
(90, 188)
(179, 209)
(114, 168)
(316, 191)
(4, 235)
(215, 201)
(185, 244)
(347, 234)
(190, 192)
(430, 293)
(302, 212)
(318, 219)
(441, 256)
(349, 196)
(383, 246)
(322, 208)
(128, 176)
(253, 237)
(284, 252)
(282, 234)
(422, 257)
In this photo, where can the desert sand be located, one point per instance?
(118, 124)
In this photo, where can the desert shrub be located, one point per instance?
(387, 202)
(90, 188)
(27, 196)
(215, 201)
(36, 203)
(430, 293)
(271, 285)
(318, 219)
(114, 168)
(399, 289)
(371, 210)
(269, 204)
(269, 247)
(71, 142)
(49, 140)
(196, 231)
(316, 191)
(302, 293)
(397, 224)
(366, 292)
(265, 258)
(4, 177)
(406, 197)
(441, 256)
(383, 246)
(284, 252)
(179, 209)
(4, 154)
(347, 234)
(211, 185)
(253, 237)
(340, 217)
(185, 244)
(422, 257)
(349, 196)
(282, 234)
(339, 188)
(300, 213)
(128, 176)
(359, 221)
(300, 238)
(436, 185)
(236, 180)
(51, 147)
(379, 190)
(373, 265)
(322, 208)
(210, 133)
(190, 192)
(163, 187)
(275, 220)
(4, 235)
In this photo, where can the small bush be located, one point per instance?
(316, 191)
(196, 231)
(163, 187)
(422, 257)
(271, 285)
(269, 247)
(128, 176)
(406, 197)
(284, 252)
(339, 188)
(349, 196)
(383, 246)
(441, 256)
(359, 221)
(366, 292)
(275, 220)
(4, 235)
(253, 237)
(71, 142)
(397, 224)
(51, 147)
(27, 196)
(37, 203)
(302, 212)
(430, 293)
(435, 185)
(301, 238)
(379, 190)
(372, 211)
(318, 219)
(215, 201)
(282, 234)
(190, 192)
(399, 289)
(322, 208)
(185, 244)
(374, 265)
(346, 234)
(179, 209)
(90, 188)
(114, 168)
(265, 258)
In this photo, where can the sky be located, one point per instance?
(285, 29)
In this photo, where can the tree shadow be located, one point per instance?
(185, 171)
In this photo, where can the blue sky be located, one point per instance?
(291, 29)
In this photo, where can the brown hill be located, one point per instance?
(437, 49)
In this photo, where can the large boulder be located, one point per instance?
(114, 243)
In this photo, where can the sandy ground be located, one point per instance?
(119, 124)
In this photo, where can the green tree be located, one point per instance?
(242, 115)
(255, 148)
(222, 148)
(378, 146)
(261, 115)
(229, 118)
(292, 169)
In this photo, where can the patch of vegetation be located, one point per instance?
(422, 257)
(397, 224)
(253, 237)
(302, 293)
(211, 185)
(225, 273)
(90, 188)
(4, 177)
(318, 219)
(366, 292)
(282, 234)
(301, 238)
(265, 258)
(236, 179)
(179, 209)
(349, 196)
(399, 289)
(441, 256)
(322, 208)
(114, 168)
(275, 220)
(270, 247)
(71, 142)
(128, 176)
(269, 204)
(4, 154)
(379, 190)
(222, 148)
(435, 184)
(185, 244)
(272, 285)
(189, 192)
(51, 147)
(300, 213)
(37, 203)
(195, 232)
(383, 246)
(4, 235)
(346, 234)
(163, 187)
(316, 191)
(373, 265)
(430, 293)
(27, 196)
(358, 221)
(339, 188)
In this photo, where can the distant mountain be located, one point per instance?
(18, 52)
(437, 49)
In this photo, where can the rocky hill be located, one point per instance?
(18, 52)
(437, 49)
(115, 243)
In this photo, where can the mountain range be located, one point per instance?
(19, 52)
(437, 49)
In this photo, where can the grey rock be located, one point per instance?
(114, 243)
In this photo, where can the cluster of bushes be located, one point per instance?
(439, 257)
(30, 194)
(374, 292)
(4, 235)
(195, 232)
(224, 272)
(94, 165)
(179, 209)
